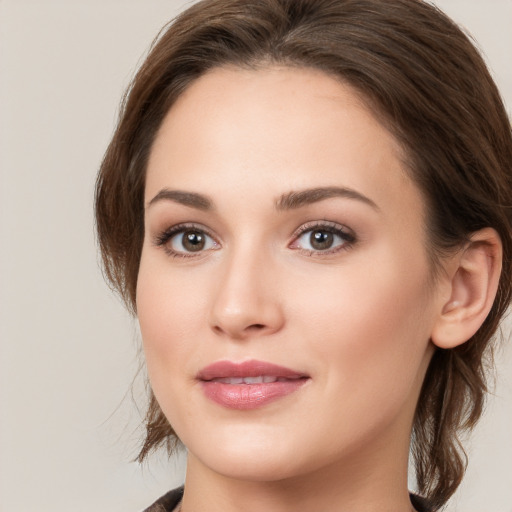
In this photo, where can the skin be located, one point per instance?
(357, 320)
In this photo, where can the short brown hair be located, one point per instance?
(432, 90)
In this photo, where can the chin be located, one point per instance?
(252, 466)
(249, 454)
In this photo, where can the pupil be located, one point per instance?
(321, 239)
(193, 241)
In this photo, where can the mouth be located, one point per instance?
(261, 379)
(250, 384)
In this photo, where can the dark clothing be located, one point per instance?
(167, 502)
(170, 500)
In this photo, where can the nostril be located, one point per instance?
(255, 327)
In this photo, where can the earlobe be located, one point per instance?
(474, 282)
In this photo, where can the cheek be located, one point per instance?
(369, 324)
(168, 312)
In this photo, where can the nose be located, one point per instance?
(246, 301)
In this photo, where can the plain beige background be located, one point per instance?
(68, 351)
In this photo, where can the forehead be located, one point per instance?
(270, 129)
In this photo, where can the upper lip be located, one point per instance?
(253, 368)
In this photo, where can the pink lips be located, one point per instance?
(248, 385)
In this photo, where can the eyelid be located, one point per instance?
(330, 225)
(163, 237)
(334, 227)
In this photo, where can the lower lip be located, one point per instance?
(249, 396)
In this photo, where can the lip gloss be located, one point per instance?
(248, 385)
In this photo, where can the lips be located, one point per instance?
(250, 384)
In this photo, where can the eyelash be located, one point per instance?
(348, 237)
(162, 239)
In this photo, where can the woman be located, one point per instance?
(306, 204)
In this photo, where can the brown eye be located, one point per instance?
(324, 238)
(193, 241)
(184, 241)
(320, 239)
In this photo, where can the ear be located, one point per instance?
(473, 275)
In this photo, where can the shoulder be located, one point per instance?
(167, 502)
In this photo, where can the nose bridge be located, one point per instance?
(245, 302)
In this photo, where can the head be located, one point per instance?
(425, 86)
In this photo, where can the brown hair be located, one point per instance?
(434, 93)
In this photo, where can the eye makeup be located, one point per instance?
(315, 238)
(194, 239)
(325, 238)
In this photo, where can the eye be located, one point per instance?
(323, 238)
(185, 241)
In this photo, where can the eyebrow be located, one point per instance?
(290, 201)
(191, 199)
(293, 200)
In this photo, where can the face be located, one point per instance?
(284, 294)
